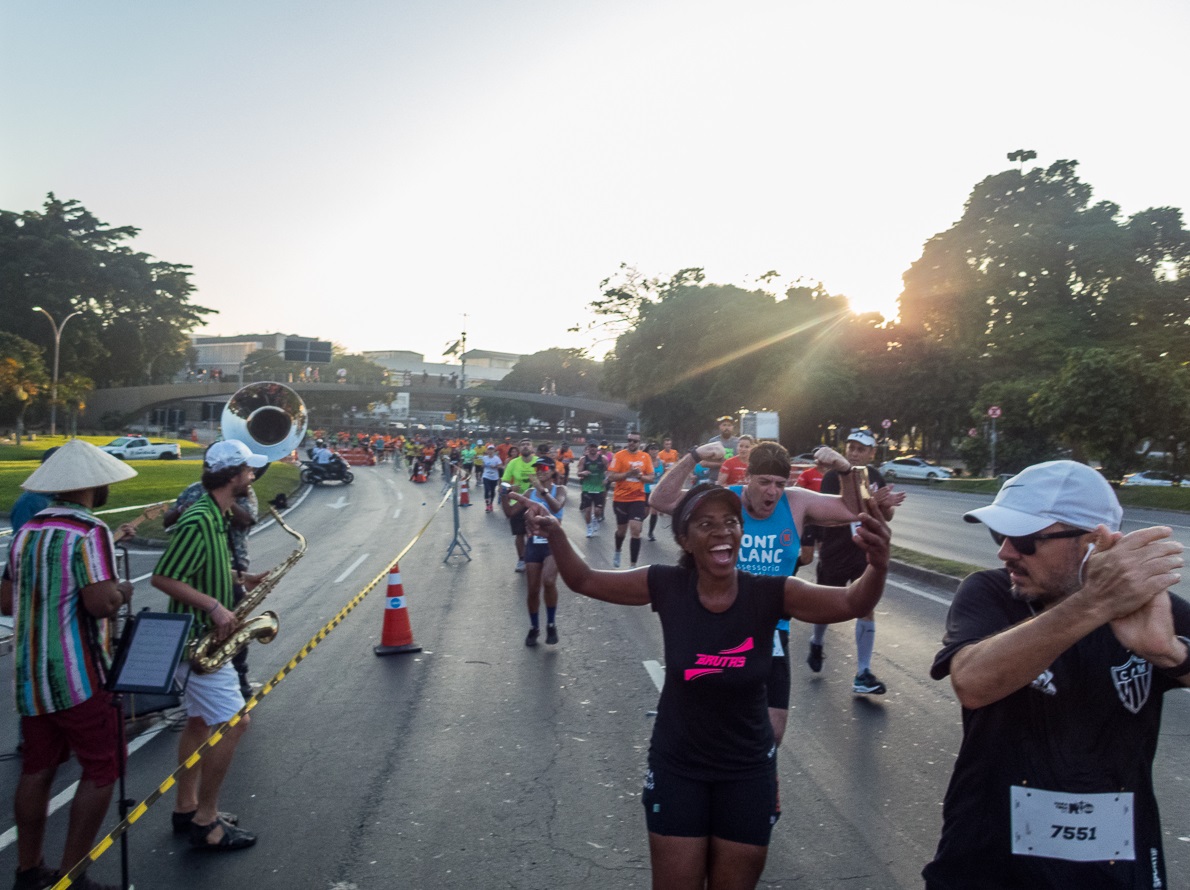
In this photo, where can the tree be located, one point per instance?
(22, 377)
(1104, 403)
(136, 310)
(1033, 269)
(700, 350)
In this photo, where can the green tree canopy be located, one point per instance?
(1103, 403)
(136, 310)
(23, 377)
(1033, 269)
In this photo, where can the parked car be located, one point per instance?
(1152, 477)
(914, 468)
(135, 448)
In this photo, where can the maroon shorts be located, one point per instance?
(90, 730)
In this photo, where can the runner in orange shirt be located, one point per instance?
(667, 455)
(629, 471)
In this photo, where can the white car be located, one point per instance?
(137, 448)
(914, 468)
(1152, 477)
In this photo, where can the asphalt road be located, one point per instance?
(931, 521)
(478, 763)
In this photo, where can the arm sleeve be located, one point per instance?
(97, 560)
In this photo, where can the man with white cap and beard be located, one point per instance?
(195, 573)
(1060, 661)
(64, 581)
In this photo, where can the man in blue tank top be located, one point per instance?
(773, 514)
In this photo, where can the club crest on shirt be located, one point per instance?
(1045, 683)
(1133, 681)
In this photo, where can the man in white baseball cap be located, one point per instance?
(1060, 661)
(195, 572)
(841, 560)
(61, 664)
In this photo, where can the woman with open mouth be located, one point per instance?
(710, 793)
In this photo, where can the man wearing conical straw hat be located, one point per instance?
(64, 581)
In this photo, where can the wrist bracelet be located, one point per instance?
(693, 452)
(1181, 670)
(211, 611)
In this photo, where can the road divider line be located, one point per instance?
(351, 568)
(917, 592)
(656, 673)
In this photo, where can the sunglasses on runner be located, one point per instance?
(1026, 545)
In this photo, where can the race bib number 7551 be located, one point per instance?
(1076, 827)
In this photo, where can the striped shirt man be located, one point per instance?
(60, 662)
(197, 555)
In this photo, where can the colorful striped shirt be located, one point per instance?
(60, 662)
(197, 555)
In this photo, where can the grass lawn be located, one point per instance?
(156, 480)
(33, 449)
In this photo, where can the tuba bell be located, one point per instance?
(270, 418)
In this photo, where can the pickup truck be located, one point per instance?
(135, 448)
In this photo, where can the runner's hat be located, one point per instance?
(1062, 491)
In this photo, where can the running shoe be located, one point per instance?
(814, 659)
(531, 639)
(590, 529)
(616, 559)
(867, 684)
(520, 565)
(651, 538)
(551, 635)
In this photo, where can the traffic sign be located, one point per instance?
(994, 411)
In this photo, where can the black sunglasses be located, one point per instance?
(1026, 545)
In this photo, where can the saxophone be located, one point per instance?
(207, 654)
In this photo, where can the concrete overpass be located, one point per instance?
(134, 401)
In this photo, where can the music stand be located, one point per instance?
(146, 661)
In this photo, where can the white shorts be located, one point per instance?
(215, 698)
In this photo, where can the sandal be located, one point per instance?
(233, 838)
(183, 821)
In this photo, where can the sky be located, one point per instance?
(389, 174)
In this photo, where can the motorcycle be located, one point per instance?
(335, 471)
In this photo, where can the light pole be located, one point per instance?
(57, 347)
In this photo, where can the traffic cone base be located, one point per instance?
(396, 637)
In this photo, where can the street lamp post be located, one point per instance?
(57, 348)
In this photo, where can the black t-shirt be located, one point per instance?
(840, 561)
(712, 721)
(1088, 725)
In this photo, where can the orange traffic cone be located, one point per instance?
(397, 635)
(464, 493)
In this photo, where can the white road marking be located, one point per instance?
(66, 795)
(397, 514)
(918, 592)
(355, 565)
(339, 504)
(656, 672)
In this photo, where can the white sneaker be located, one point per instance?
(520, 565)
(616, 559)
(590, 529)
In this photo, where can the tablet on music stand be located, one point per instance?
(149, 653)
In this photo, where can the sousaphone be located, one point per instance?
(270, 418)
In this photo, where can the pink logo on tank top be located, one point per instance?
(715, 664)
